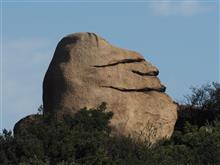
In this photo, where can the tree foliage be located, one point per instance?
(202, 106)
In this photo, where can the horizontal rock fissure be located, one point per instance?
(152, 73)
(161, 89)
(124, 61)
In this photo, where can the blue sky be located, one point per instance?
(181, 38)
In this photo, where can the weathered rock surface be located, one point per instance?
(86, 70)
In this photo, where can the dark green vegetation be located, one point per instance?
(85, 138)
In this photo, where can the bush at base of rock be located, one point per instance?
(85, 139)
(74, 139)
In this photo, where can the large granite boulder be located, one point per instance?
(86, 70)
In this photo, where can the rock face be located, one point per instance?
(86, 70)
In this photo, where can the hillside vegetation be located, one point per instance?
(85, 138)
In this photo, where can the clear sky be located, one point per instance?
(181, 38)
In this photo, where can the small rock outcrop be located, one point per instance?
(86, 70)
(23, 124)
